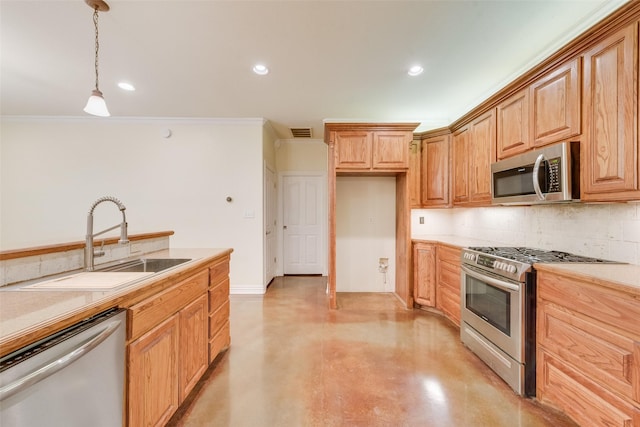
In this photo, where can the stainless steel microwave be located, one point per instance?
(545, 175)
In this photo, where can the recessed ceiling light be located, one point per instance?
(416, 70)
(260, 69)
(126, 86)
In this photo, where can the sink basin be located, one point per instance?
(147, 265)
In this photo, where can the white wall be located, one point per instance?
(365, 232)
(610, 231)
(54, 169)
(301, 155)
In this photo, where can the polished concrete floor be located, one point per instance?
(294, 362)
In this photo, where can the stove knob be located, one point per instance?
(512, 269)
(498, 265)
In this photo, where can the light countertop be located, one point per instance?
(34, 312)
(462, 242)
(625, 277)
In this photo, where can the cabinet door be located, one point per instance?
(391, 149)
(513, 125)
(414, 174)
(483, 153)
(435, 171)
(353, 149)
(610, 163)
(153, 375)
(194, 320)
(555, 105)
(424, 258)
(460, 144)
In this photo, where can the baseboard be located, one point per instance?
(247, 290)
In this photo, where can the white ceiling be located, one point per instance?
(329, 60)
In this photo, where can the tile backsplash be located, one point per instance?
(33, 267)
(610, 231)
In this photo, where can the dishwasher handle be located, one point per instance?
(61, 363)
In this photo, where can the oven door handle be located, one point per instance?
(506, 286)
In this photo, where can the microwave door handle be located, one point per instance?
(535, 176)
(505, 286)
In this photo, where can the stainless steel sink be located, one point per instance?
(151, 265)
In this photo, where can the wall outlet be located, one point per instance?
(421, 219)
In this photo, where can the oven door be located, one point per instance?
(493, 306)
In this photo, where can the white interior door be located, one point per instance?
(270, 215)
(303, 224)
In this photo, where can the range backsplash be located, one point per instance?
(609, 231)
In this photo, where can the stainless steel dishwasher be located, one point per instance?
(72, 378)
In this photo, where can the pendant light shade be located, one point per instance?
(96, 104)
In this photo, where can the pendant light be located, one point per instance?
(95, 104)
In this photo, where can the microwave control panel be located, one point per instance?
(553, 175)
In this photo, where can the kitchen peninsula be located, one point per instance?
(185, 308)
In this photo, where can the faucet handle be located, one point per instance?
(100, 252)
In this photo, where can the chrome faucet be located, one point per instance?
(89, 253)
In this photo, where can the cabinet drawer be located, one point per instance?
(219, 342)
(449, 276)
(447, 254)
(218, 295)
(583, 400)
(607, 305)
(150, 312)
(218, 318)
(449, 303)
(599, 353)
(219, 272)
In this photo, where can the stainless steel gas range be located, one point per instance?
(498, 308)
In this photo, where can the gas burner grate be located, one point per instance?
(532, 255)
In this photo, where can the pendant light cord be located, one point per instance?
(95, 23)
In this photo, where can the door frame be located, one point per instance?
(266, 254)
(323, 215)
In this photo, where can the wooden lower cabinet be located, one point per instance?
(193, 344)
(424, 274)
(219, 337)
(436, 278)
(153, 375)
(173, 337)
(588, 351)
(448, 282)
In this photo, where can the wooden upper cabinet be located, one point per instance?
(391, 150)
(435, 158)
(414, 174)
(353, 149)
(460, 149)
(513, 136)
(609, 151)
(555, 104)
(483, 153)
(370, 147)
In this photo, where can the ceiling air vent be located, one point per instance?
(301, 132)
